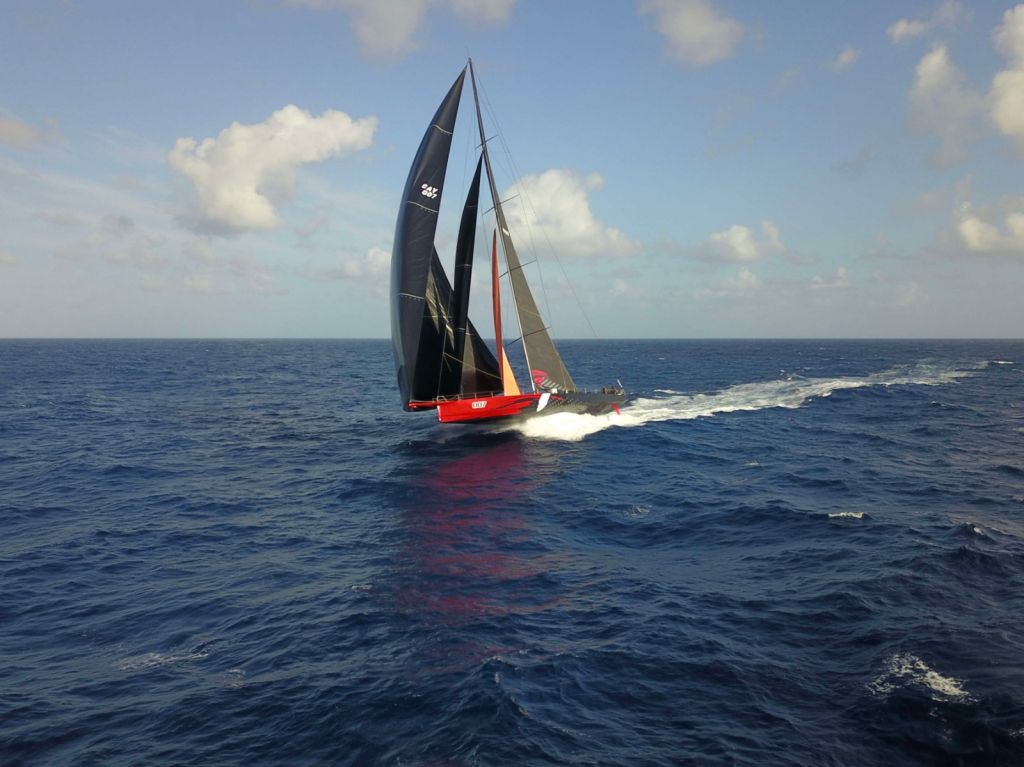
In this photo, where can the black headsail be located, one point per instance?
(452, 373)
(477, 365)
(426, 316)
(547, 371)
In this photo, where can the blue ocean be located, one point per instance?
(780, 553)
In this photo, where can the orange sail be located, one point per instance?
(508, 380)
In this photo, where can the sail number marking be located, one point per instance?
(429, 191)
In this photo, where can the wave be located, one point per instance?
(155, 660)
(906, 670)
(789, 392)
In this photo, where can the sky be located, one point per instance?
(678, 168)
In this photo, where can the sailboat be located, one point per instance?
(441, 361)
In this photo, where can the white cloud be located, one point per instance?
(553, 207)
(839, 280)
(374, 266)
(387, 28)
(942, 103)
(981, 236)
(740, 243)
(845, 59)
(6, 259)
(947, 15)
(1006, 99)
(696, 31)
(906, 29)
(240, 175)
(372, 269)
(743, 283)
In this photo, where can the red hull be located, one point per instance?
(481, 408)
(519, 406)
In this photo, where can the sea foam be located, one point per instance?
(790, 392)
(906, 670)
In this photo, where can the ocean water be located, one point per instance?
(244, 552)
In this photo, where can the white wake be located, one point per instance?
(788, 392)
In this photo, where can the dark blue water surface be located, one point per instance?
(244, 552)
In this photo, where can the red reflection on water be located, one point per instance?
(465, 554)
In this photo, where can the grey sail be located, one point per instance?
(413, 253)
(547, 371)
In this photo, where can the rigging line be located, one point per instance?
(472, 368)
(500, 135)
(527, 201)
(494, 196)
(507, 199)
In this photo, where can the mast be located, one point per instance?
(547, 370)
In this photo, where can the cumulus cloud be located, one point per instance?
(845, 59)
(553, 207)
(696, 31)
(387, 28)
(239, 176)
(1006, 99)
(740, 243)
(948, 15)
(743, 283)
(372, 268)
(906, 29)
(943, 104)
(374, 265)
(979, 235)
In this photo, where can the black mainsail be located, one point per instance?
(423, 331)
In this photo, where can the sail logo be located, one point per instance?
(429, 191)
(542, 379)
